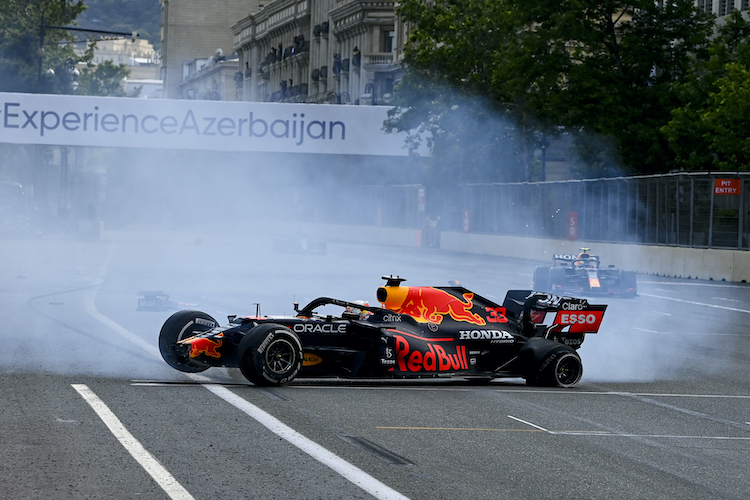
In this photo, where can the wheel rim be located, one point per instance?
(568, 370)
(280, 356)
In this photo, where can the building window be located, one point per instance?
(387, 36)
(743, 5)
(722, 8)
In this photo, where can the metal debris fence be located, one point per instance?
(705, 210)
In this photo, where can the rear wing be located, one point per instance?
(553, 313)
(569, 260)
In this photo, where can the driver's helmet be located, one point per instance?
(353, 312)
(583, 260)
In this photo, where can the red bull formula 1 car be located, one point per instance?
(416, 332)
(582, 274)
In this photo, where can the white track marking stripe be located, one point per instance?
(694, 303)
(347, 470)
(532, 425)
(156, 470)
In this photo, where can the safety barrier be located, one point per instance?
(680, 262)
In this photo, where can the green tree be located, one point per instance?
(28, 48)
(708, 129)
(104, 80)
(595, 69)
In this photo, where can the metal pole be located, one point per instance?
(741, 211)
(711, 214)
(692, 210)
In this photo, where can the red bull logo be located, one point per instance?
(433, 359)
(205, 346)
(426, 304)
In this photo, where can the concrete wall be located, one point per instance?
(680, 262)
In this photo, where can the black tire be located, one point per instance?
(540, 282)
(270, 355)
(551, 364)
(557, 276)
(183, 325)
(628, 281)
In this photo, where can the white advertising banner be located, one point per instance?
(196, 125)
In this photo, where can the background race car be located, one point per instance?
(582, 274)
(416, 332)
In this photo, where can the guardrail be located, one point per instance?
(696, 210)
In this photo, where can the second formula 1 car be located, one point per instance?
(417, 331)
(582, 274)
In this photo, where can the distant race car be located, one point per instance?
(418, 332)
(582, 274)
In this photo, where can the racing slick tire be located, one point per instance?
(270, 355)
(540, 282)
(551, 364)
(627, 281)
(557, 277)
(183, 325)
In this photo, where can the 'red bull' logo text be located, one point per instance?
(205, 346)
(433, 359)
(431, 305)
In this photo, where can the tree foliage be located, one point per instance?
(24, 60)
(142, 16)
(708, 130)
(601, 70)
(37, 56)
(104, 80)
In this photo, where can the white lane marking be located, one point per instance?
(350, 472)
(707, 334)
(653, 436)
(90, 308)
(156, 470)
(714, 285)
(662, 313)
(726, 299)
(530, 424)
(444, 388)
(695, 303)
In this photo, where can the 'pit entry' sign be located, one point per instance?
(727, 186)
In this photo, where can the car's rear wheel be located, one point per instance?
(628, 283)
(549, 363)
(270, 355)
(180, 326)
(565, 370)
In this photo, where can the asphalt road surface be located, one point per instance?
(89, 410)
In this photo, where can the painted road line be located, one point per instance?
(530, 424)
(674, 283)
(649, 436)
(569, 433)
(151, 465)
(477, 429)
(706, 334)
(90, 308)
(347, 470)
(350, 472)
(726, 308)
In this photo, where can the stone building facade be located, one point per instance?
(319, 51)
(196, 28)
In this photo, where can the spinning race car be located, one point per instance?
(582, 274)
(418, 332)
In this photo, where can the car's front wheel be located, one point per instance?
(180, 326)
(270, 355)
